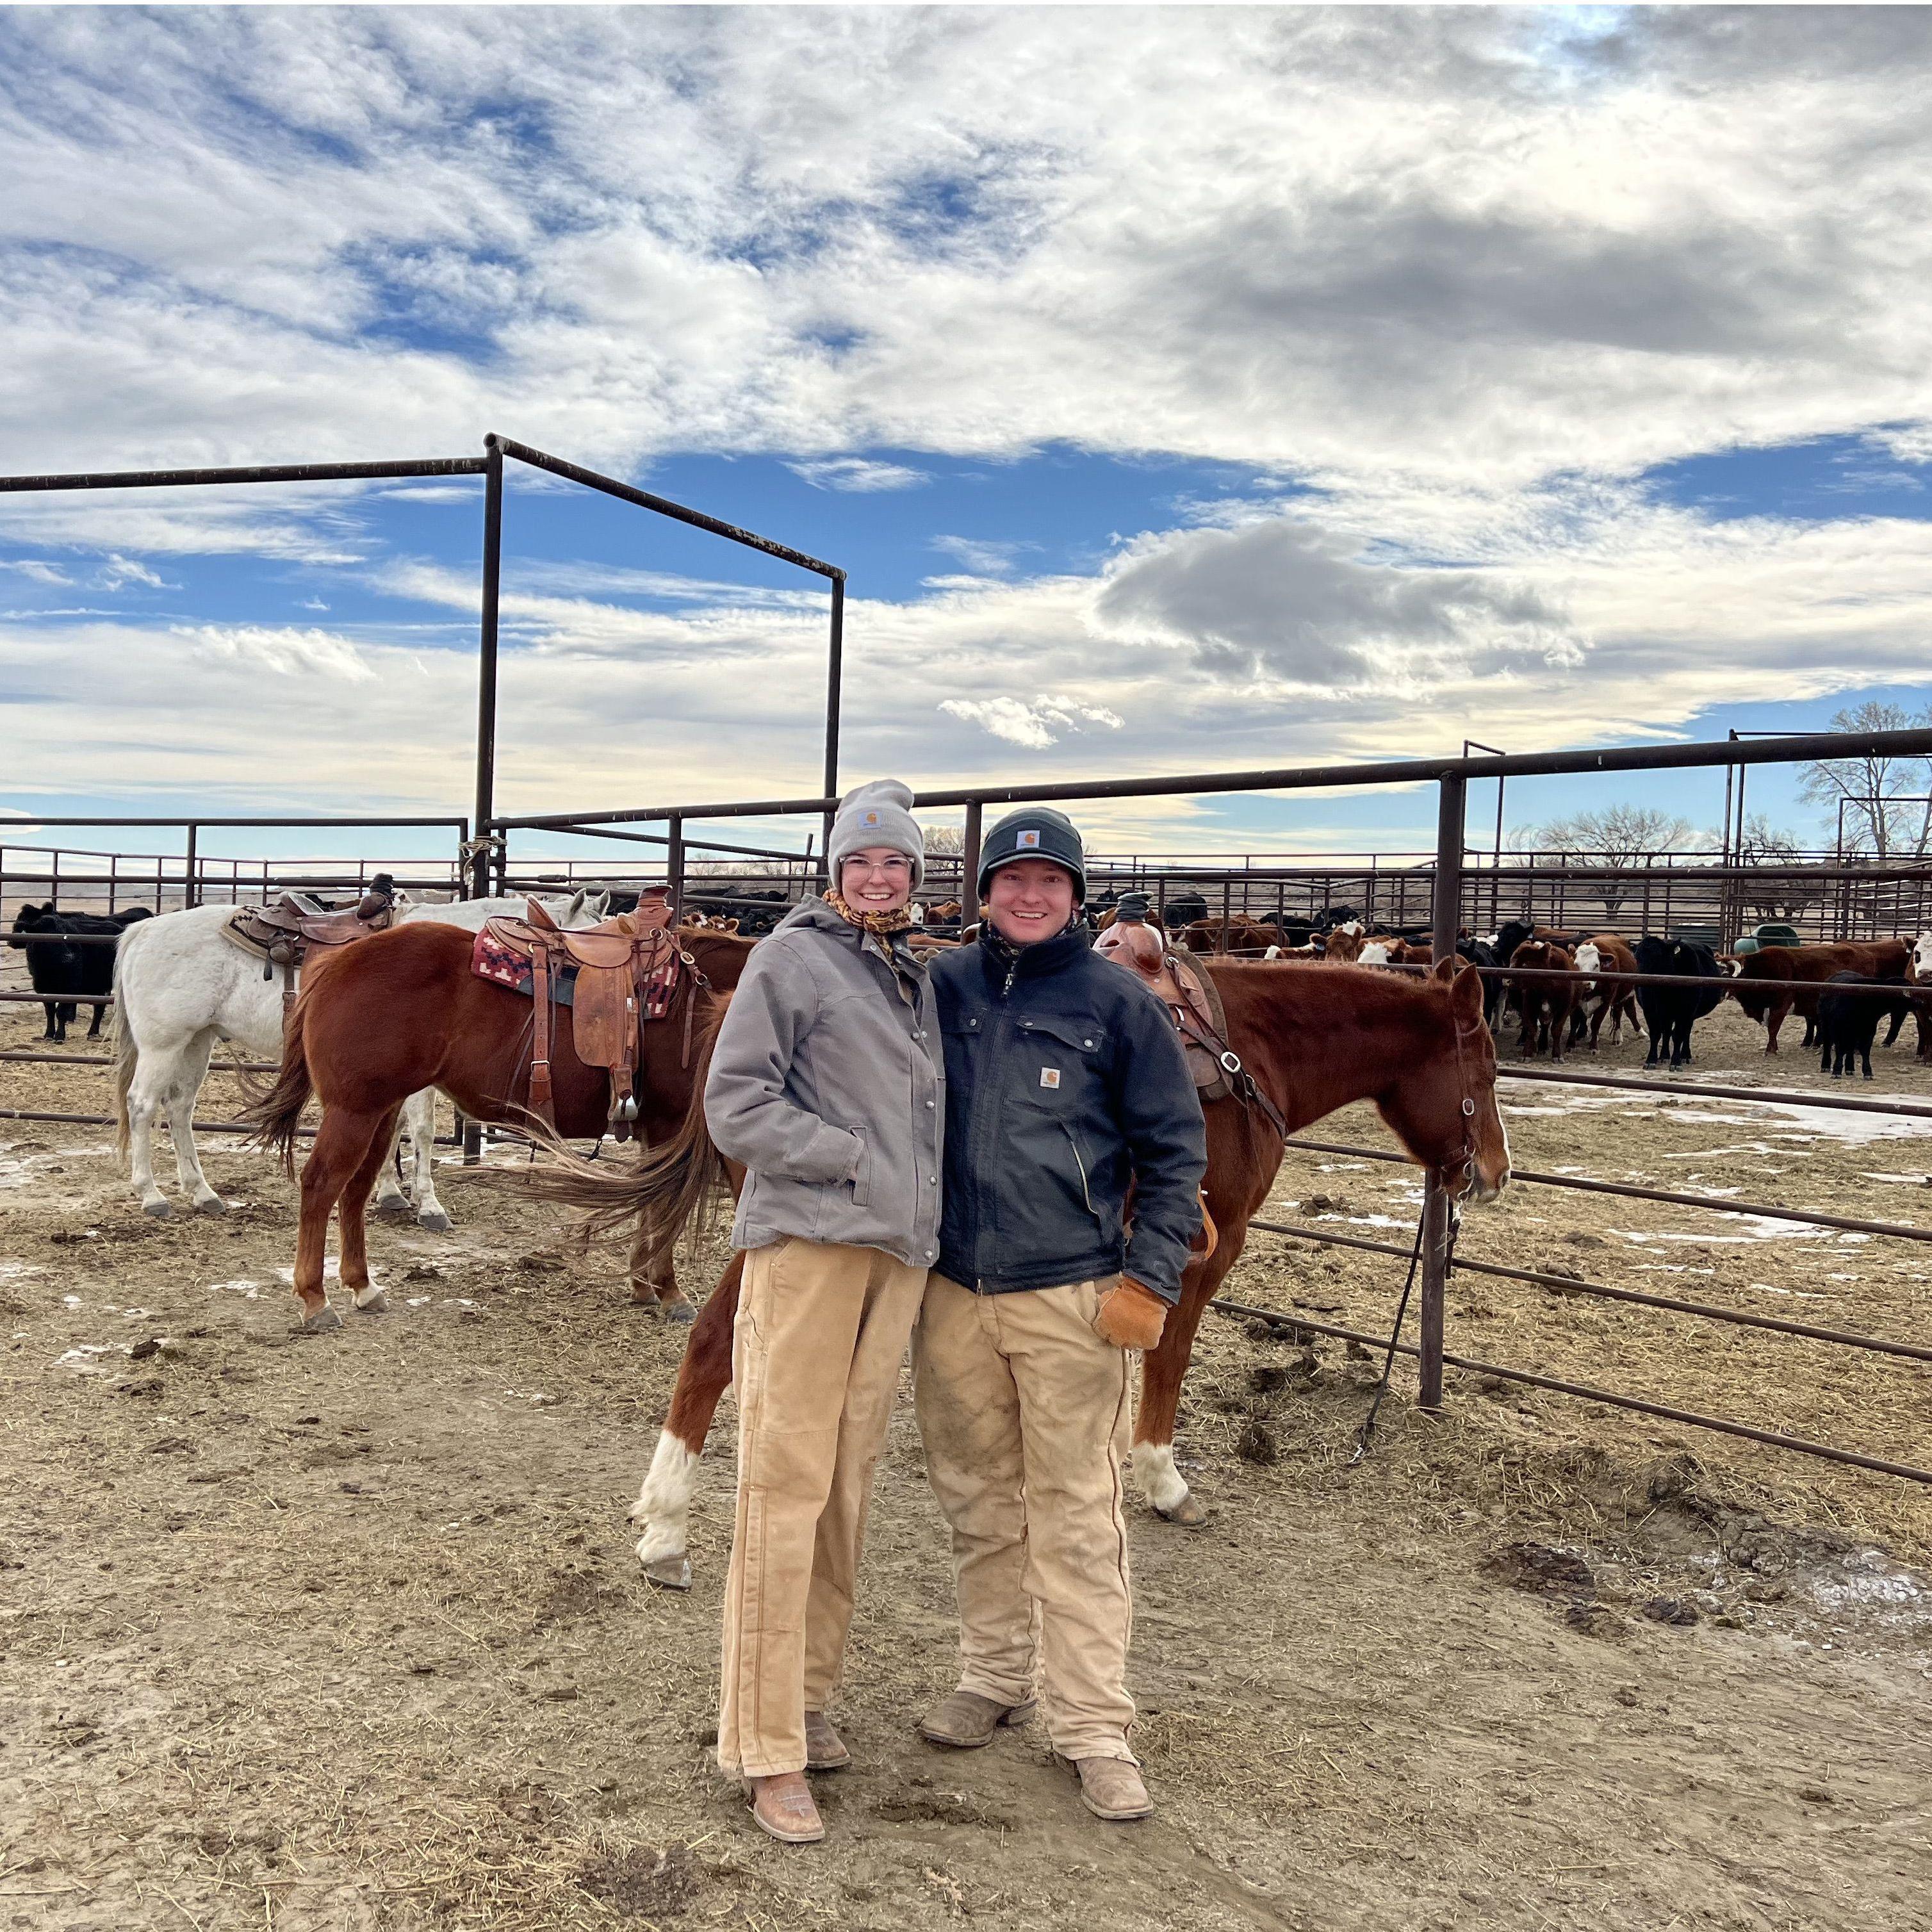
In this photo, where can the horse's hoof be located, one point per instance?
(669, 1573)
(372, 1301)
(679, 1313)
(1187, 1513)
(160, 1210)
(212, 1204)
(435, 1220)
(394, 1207)
(324, 1319)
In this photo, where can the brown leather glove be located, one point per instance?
(1130, 1314)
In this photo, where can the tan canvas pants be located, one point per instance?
(821, 1330)
(1024, 1413)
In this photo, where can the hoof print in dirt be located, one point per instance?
(1678, 1610)
(637, 1884)
(1542, 1568)
(1593, 1619)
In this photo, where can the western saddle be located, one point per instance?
(614, 977)
(1179, 982)
(281, 934)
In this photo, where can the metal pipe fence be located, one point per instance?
(1440, 899)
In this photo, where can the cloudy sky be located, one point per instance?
(1182, 389)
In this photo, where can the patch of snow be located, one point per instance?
(248, 1290)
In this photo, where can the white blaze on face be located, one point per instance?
(1354, 928)
(1272, 953)
(1588, 959)
(1921, 957)
(1374, 955)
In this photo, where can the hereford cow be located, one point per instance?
(56, 965)
(1778, 980)
(1669, 1012)
(1545, 1004)
(1605, 952)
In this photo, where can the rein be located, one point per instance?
(1468, 1162)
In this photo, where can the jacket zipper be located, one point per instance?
(1084, 1194)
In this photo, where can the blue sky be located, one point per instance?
(1299, 388)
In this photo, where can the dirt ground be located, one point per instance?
(346, 1631)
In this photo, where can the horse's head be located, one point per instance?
(1444, 1109)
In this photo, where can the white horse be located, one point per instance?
(180, 986)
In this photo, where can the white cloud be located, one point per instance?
(119, 570)
(1034, 725)
(285, 650)
(857, 473)
(38, 570)
(984, 557)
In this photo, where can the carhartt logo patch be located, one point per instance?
(1029, 840)
(1049, 1076)
(869, 818)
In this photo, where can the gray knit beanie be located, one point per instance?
(877, 813)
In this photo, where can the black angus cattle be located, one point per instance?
(1847, 1022)
(56, 965)
(1480, 953)
(1182, 907)
(1670, 1012)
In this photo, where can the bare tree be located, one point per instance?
(1778, 887)
(1884, 799)
(1621, 838)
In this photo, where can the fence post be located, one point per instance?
(1446, 922)
(674, 869)
(969, 866)
(486, 660)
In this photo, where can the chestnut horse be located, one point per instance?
(1315, 1037)
(401, 1011)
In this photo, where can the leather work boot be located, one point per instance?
(966, 1720)
(824, 1748)
(1112, 1789)
(782, 1806)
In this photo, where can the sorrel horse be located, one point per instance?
(401, 1011)
(1316, 1038)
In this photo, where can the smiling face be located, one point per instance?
(1030, 900)
(877, 880)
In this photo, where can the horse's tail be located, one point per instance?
(274, 1116)
(127, 1054)
(661, 1192)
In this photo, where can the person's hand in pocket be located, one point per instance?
(1130, 1314)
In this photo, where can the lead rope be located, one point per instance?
(1366, 1434)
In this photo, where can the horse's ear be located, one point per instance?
(1466, 1001)
(1444, 969)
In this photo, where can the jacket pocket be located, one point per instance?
(861, 1183)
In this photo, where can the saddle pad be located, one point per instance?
(490, 959)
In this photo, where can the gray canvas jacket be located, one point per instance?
(826, 1084)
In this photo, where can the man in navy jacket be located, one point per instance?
(1066, 1088)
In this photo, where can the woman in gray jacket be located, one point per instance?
(826, 1084)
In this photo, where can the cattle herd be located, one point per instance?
(1560, 986)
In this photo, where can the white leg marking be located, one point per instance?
(1155, 1476)
(663, 1503)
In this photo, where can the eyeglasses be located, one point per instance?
(887, 868)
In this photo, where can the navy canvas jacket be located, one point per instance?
(1065, 1083)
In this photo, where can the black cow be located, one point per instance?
(1183, 906)
(1670, 1012)
(1847, 1022)
(56, 965)
(1480, 953)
